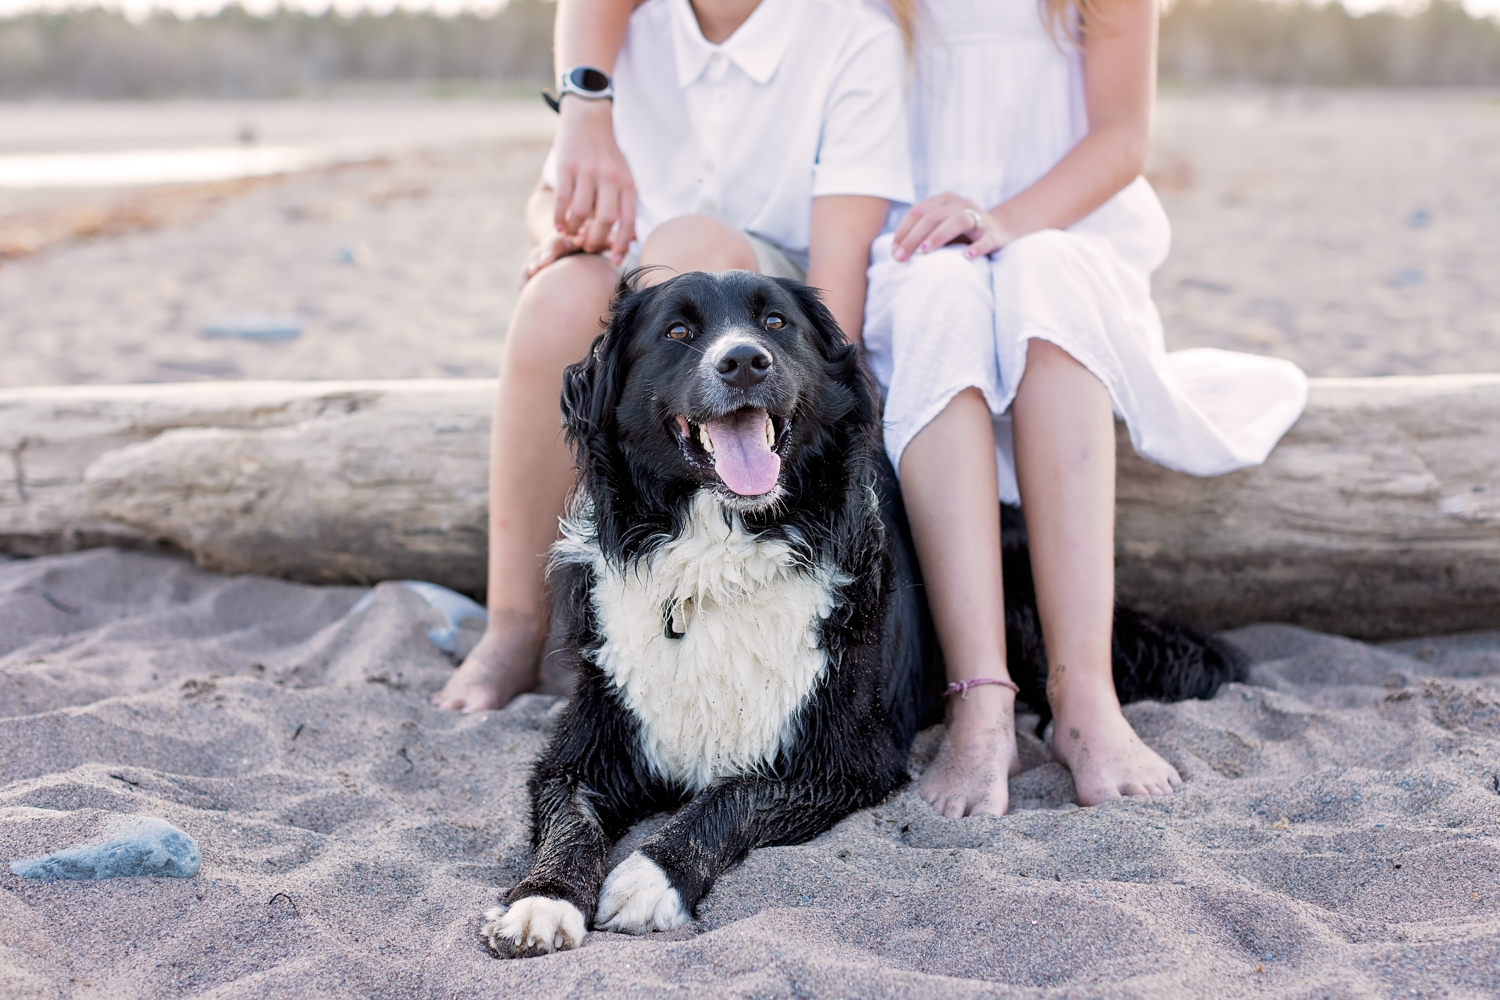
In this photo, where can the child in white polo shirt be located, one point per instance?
(767, 135)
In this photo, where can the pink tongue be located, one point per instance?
(742, 458)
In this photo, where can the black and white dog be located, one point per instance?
(736, 594)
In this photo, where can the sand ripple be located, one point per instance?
(1336, 835)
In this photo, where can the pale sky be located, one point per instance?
(140, 8)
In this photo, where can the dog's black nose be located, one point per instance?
(744, 365)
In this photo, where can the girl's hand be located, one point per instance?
(945, 218)
(554, 248)
(595, 193)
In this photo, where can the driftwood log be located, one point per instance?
(1378, 515)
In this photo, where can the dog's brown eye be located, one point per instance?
(679, 331)
(773, 322)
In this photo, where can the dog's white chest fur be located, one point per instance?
(717, 696)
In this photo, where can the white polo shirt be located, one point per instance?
(805, 99)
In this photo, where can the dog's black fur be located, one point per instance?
(883, 679)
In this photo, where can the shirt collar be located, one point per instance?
(756, 47)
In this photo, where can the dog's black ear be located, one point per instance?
(844, 361)
(592, 387)
(830, 336)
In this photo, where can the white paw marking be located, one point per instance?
(637, 899)
(535, 923)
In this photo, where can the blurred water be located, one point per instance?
(60, 145)
(169, 166)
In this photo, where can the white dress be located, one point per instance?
(996, 102)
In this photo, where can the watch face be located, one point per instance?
(588, 78)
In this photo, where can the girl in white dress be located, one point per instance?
(1010, 320)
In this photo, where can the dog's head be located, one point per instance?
(730, 381)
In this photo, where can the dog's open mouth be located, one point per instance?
(741, 447)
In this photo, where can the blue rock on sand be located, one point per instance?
(151, 848)
(252, 328)
(460, 614)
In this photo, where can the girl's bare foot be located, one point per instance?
(1108, 760)
(501, 666)
(972, 770)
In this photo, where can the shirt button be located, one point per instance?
(709, 204)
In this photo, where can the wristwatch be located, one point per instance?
(582, 81)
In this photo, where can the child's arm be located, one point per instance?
(838, 253)
(591, 170)
(1119, 79)
(594, 187)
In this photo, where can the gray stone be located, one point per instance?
(147, 848)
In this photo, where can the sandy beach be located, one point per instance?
(1355, 233)
(1338, 835)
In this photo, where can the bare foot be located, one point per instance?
(971, 773)
(1108, 760)
(501, 666)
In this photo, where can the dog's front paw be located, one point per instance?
(535, 925)
(638, 898)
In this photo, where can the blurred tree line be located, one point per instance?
(1252, 41)
(98, 54)
(95, 54)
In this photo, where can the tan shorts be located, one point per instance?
(770, 259)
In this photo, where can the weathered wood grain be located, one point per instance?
(1377, 516)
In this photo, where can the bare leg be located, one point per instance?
(1065, 465)
(694, 243)
(531, 471)
(948, 482)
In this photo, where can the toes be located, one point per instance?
(987, 807)
(1098, 796)
(536, 925)
(638, 898)
(467, 703)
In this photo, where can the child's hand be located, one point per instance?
(595, 192)
(546, 252)
(947, 218)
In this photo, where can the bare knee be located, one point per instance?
(695, 243)
(559, 313)
(1043, 356)
(1054, 378)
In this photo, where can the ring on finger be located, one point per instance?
(974, 219)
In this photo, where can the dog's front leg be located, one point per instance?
(657, 887)
(550, 908)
